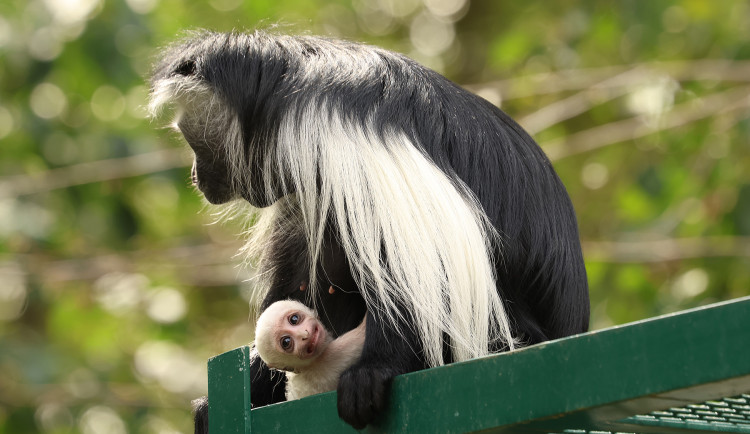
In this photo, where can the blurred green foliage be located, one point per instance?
(115, 287)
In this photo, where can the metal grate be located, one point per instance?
(726, 415)
(583, 431)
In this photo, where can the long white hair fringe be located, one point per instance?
(414, 237)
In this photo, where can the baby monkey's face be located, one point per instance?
(294, 336)
(300, 334)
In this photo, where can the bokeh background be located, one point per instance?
(116, 286)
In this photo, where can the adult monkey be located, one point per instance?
(422, 204)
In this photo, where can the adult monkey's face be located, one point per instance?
(228, 113)
(205, 121)
(210, 172)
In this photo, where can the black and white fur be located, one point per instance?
(426, 206)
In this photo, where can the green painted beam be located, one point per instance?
(229, 392)
(589, 381)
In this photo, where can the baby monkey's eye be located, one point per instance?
(293, 319)
(286, 342)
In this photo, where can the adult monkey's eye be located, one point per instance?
(186, 68)
(286, 342)
(294, 319)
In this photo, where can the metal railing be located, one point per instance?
(684, 372)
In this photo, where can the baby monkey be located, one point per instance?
(289, 337)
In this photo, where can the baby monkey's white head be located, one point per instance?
(289, 336)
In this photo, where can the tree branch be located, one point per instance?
(664, 250)
(577, 79)
(638, 126)
(96, 171)
(582, 101)
(199, 265)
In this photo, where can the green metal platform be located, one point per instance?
(686, 372)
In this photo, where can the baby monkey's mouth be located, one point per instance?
(314, 335)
